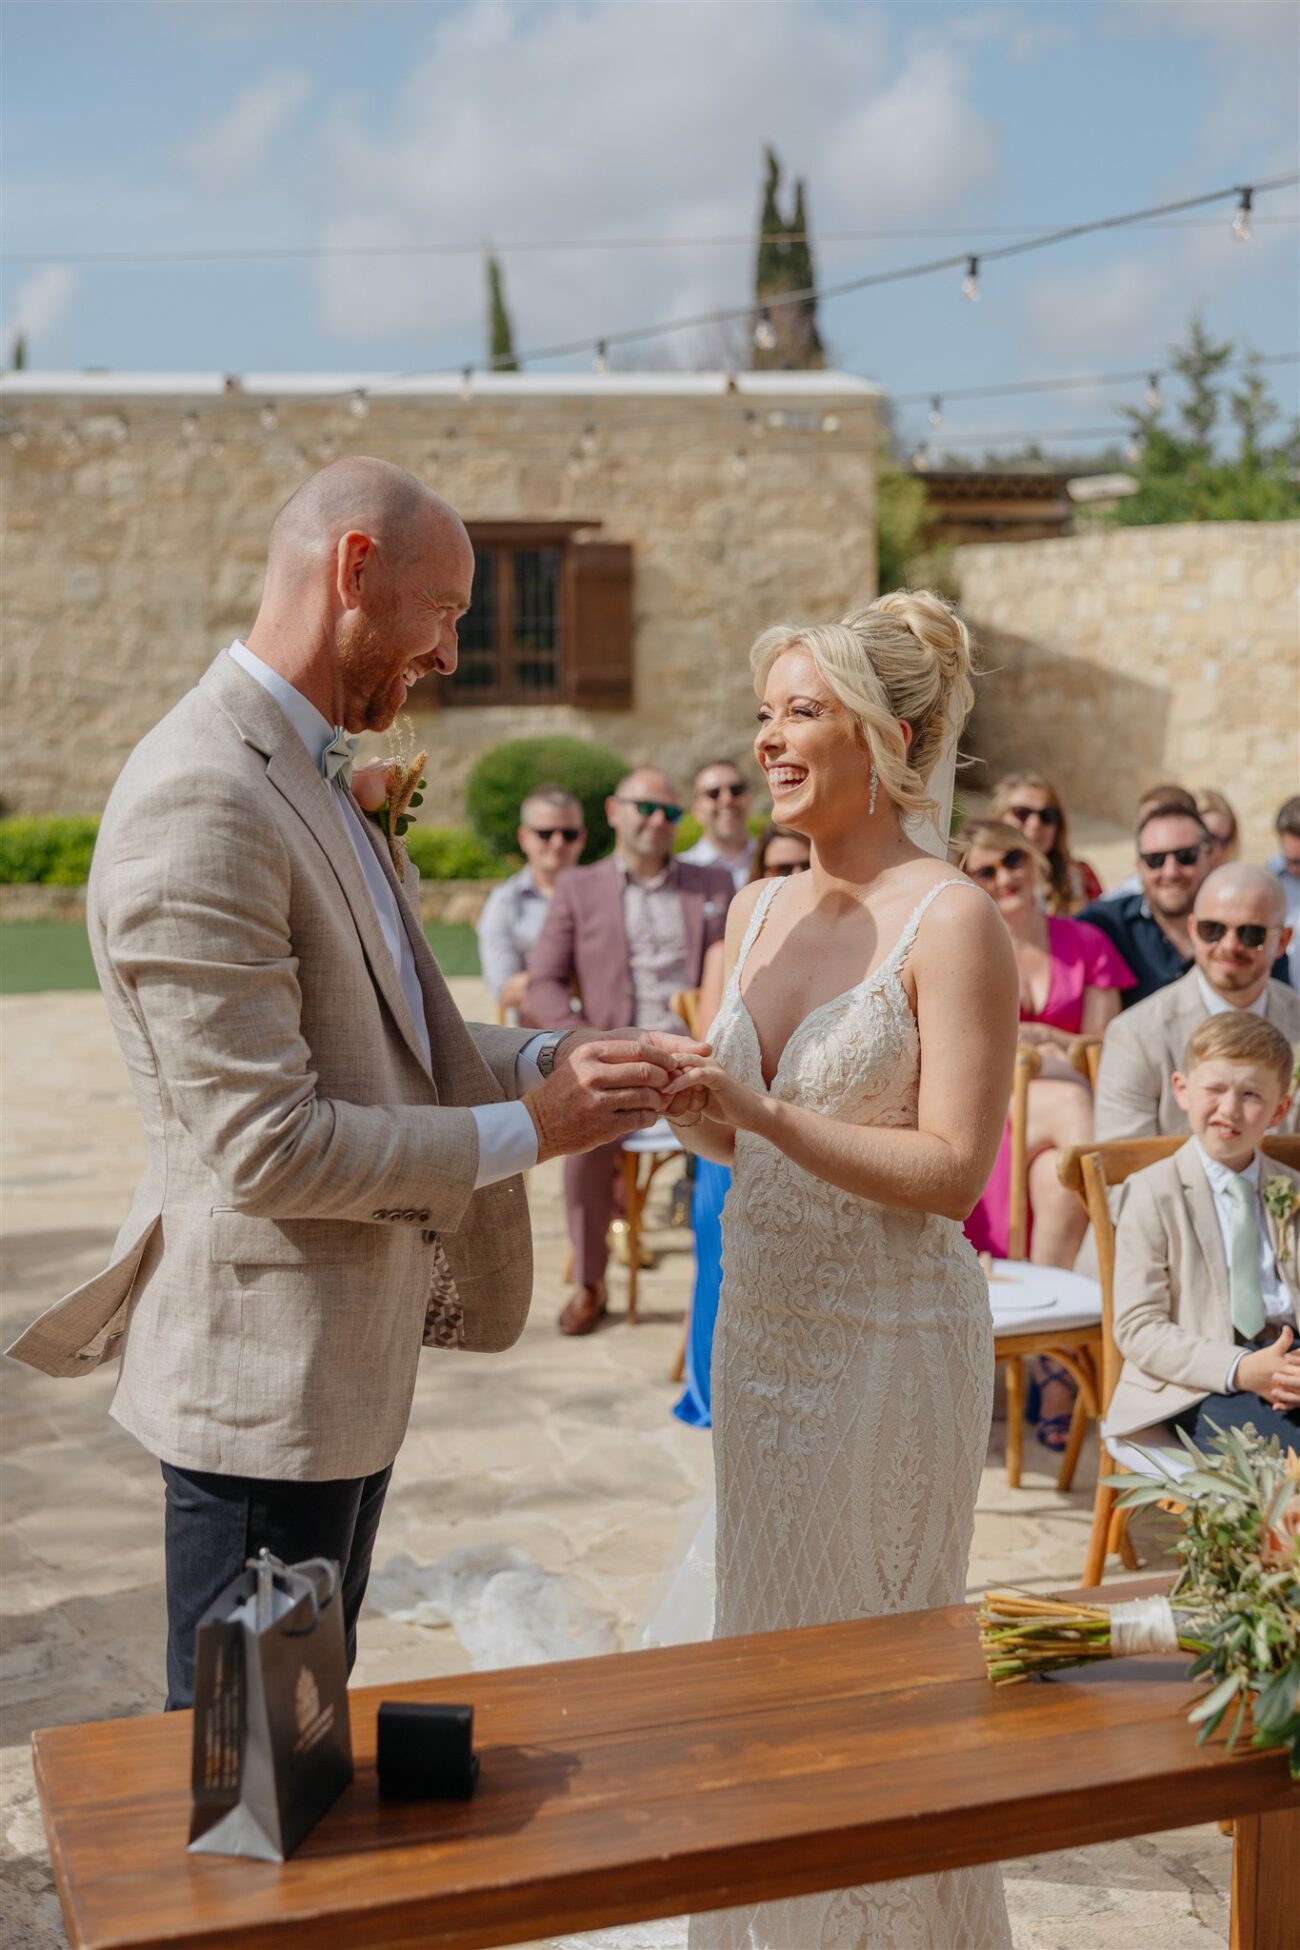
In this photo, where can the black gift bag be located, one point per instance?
(272, 1741)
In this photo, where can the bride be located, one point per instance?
(858, 1088)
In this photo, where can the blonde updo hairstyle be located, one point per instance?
(906, 658)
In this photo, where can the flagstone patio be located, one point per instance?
(562, 1449)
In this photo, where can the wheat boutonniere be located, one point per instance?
(1282, 1202)
(392, 800)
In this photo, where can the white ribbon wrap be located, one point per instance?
(1142, 1625)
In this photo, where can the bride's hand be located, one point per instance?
(723, 1098)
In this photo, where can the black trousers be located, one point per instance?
(214, 1523)
(1236, 1410)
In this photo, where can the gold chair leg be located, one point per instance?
(631, 1185)
(1127, 1550)
(1094, 1568)
(678, 1370)
(1074, 1442)
(1015, 1372)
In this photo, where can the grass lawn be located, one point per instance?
(37, 955)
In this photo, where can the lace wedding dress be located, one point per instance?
(852, 1395)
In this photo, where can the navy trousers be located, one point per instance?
(1235, 1411)
(214, 1523)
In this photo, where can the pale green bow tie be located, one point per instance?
(336, 759)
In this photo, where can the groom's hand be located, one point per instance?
(599, 1090)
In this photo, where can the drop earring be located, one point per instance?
(875, 788)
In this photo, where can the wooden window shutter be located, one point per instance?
(598, 626)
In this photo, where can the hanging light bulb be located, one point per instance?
(267, 417)
(921, 458)
(1151, 397)
(1133, 451)
(1241, 219)
(587, 441)
(358, 405)
(739, 464)
(830, 423)
(600, 364)
(970, 284)
(765, 331)
(466, 387)
(936, 411)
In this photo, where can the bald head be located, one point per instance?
(398, 514)
(1242, 887)
(644, 840)
(1238, 930)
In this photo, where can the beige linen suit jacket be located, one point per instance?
(1173, 1304)
(1145, 1045)
(309, 1182)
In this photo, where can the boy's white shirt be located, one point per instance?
(1278, 1310)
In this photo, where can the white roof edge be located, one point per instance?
(382, 385)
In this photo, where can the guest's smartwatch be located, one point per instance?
(545, 1056)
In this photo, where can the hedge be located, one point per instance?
(52, 850)
(504, 776)
(452, 853)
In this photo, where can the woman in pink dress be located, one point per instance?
(1071, 976)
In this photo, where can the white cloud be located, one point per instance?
(631, 120)
(234, 149)
(1097, 315)
(1255, 49)
(40, 305)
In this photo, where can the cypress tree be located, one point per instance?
(784, 263)
(501, 338)
(20, 352)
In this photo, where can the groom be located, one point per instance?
(334, 1156)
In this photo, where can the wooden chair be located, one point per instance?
(644, 1156)
(1078, 1349)
(1084, 1054)
(1090, 1171)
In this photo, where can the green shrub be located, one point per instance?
(53, 849)
(502, 779)
(451, 853)
(689, 830)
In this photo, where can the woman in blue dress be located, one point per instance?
(777, 854)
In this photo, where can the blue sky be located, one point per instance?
(175, 125)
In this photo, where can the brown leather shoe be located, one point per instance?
(583, 1313)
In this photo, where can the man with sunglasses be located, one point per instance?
(621, 937)
(1238, 932)
(552, 833)
(1150, 928)
(720, 801)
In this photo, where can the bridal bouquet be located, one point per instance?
(1235, 1605)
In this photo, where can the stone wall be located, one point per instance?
(1127, 656)
(135, 517)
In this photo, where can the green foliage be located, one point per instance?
(451, 853)
(501, 338)
(19, 359)
(902, 507)
(504, 776)
(51, 849)
(784, 263)
(690, 829)
(1182, 476)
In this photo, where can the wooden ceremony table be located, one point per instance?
(647, 1784)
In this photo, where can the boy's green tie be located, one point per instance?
(1248, 1315)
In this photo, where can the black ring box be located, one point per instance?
(426, 1753)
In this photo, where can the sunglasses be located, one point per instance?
(1013, 859)
(791, 866)
(569, 833)
(649, 807)
(1250, 934)
(1049, 815)
(1186, 856)
(735, 791)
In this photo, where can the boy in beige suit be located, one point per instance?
(335, 1157)
(1206, 1293)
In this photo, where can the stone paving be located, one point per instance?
(565, 1450)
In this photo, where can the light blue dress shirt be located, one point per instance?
(507, 1137)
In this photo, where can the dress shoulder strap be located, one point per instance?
(907, 939)
(756, 921)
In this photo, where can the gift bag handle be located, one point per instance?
(297, 1579)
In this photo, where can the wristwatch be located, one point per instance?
(545, 1057)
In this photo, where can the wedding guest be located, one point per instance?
(1175, 853)
(1220, 822)
(720, 800)
(777, 854)
(1070, 982)
(629, 932)
(1156, 795)
(1206, 1293)
(1238, 929)
(1285, 863)
(1031, 802)
(551, 835)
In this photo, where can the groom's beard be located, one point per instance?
(372, 686)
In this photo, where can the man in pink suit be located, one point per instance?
(621, 939)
